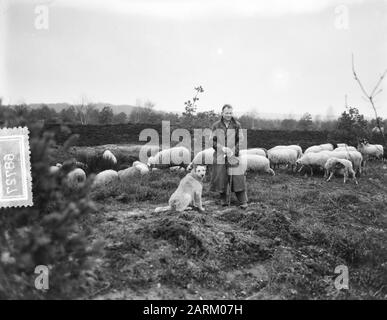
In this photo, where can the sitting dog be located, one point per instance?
(189, 192)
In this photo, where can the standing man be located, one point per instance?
(227, 135)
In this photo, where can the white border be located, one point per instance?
(24, 196)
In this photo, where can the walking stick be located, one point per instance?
(229, 187)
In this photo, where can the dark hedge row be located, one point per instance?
(93, 135)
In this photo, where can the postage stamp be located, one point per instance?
(15, 168)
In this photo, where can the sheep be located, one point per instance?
(205, 156)
(352, 155)
(327, 146)
(343, 166)
(144, 169)
(177, 156)
(313, 160)
(105, 177)
(318, 159)
(256, 151)
(293, 147)
(283, 156)
(345, 148)
(109, 157)
(127, 175)
(253, 162)
(370, 150)
(321, 147)
(76, 179)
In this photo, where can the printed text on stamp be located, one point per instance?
(15, 168)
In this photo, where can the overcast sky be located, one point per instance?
(266, 56)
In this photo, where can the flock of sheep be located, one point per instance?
(345, 160)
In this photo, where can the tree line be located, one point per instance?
(349, 121)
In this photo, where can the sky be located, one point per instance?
(269, 57)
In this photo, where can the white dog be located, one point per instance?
(189, 192)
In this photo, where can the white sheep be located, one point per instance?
(318, 159)
(370, 150)
(252, 162)
(313, 160)
(256, 151)
(105, 177)
(127, 175)
(283, 156)
(345, 148)
(170, 157)
(319, 148)
(341, 166)
(327, 146)
(109, 156)
(352, 155)
(76, 179)
(205, 156)
(293, 147)
(144, 169)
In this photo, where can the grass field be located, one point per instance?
(286, 245)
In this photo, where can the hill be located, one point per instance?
(126, 108)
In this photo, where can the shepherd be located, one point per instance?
(227, 135)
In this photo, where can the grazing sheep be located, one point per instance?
(354, 156)
(345, 148)
(370, 150)
(127, 175)
(253, 162)
(76, 179)
(177, 156)
(205, 156)
(105, 177)
(342, 166)
(318, 159)
(283, 156)
(313, 160)
(256, 151)
(144, 169)
(109, 156)
(321, 147)
(293, 147)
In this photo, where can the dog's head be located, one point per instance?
(199, 170)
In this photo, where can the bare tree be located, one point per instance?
(371, 96)
(81, 110)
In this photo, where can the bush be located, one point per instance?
(49, 233)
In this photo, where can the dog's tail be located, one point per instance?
(162, 209)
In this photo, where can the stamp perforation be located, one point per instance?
(22, 134)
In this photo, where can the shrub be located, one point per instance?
(49, 233)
